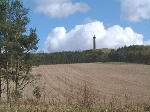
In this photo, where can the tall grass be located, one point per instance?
(80, 99)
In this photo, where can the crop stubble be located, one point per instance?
(107, 79)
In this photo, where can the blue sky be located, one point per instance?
(69, 24)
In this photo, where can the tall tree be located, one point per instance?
(18, 43)
(3, 11)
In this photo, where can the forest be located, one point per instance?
(130, 54)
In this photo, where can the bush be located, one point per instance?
(37, 92)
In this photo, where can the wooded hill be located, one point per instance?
(131, 54)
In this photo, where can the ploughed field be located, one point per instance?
(126, 82)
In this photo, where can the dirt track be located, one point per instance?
(107, 79)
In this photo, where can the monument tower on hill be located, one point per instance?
(94, 42)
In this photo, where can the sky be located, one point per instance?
(69, 25)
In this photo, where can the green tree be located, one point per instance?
(17, 44)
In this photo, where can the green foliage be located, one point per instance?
(131, 54)
(37, 92)
(70, 57)
(16, 44)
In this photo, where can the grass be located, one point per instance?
(84, 99)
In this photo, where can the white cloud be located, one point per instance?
(135, 10)
(89, 20)
(147, 42)
(60, 8)
(80, 37)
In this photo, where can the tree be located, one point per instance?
(3, 5)
(17, 45)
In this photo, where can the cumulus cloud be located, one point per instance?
(89, 20)
(147, 42)
(81, 37)
(60, 8)
(135, 10)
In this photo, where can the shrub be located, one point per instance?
(37, 92)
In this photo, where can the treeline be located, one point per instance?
(70, 57)
(132, 54)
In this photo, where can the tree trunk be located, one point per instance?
(0, 88)
(17, 77)
(0, 78)
(7, 80)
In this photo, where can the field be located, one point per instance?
(120, 81)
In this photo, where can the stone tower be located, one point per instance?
(94, 42)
